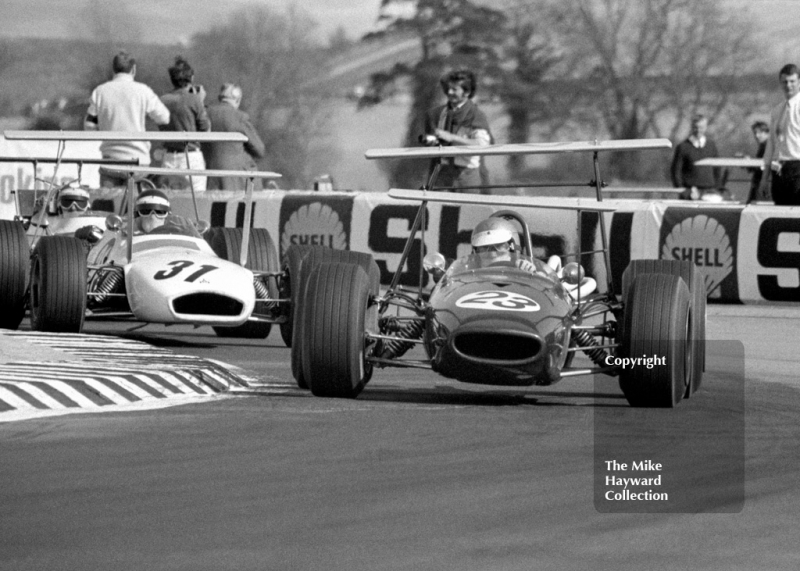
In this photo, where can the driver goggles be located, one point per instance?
(503, 247)
(155, 211)
(73, 204)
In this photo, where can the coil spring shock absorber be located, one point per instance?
(107, 283)
(262, 293)
(411, 330)
(590, 346)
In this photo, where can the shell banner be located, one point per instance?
(747, 254)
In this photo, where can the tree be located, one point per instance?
(644, 66)
(528, 58)
(275, 57)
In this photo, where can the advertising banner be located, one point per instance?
(747, 254)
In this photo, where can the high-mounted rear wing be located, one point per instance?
(163, 136)
(566, 203)
(62, 137)
(250, 176)
(742, 162)
(518, 149)
(426, 194)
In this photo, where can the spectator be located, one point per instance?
(123, 104)
(700, 183)
(458, 122)
(782, 154)
(187, 113)
(760, 134)
(225, 116)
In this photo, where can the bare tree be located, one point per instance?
(645, 65)
(529, 57)
(276, 59)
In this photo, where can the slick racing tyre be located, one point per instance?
(58, 285)
(306, 258)
(261, 255)
(336, 316)
(291, 265)
(656, 324)
(15, 258)
(697, 289)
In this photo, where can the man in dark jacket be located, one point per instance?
(187, 113)
(697, 181)
(225, 116)
(458, 122)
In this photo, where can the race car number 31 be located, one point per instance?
(498, 300)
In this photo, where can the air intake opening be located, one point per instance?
(497, 346)
(207, 304)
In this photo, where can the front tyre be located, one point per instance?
(336, 317)
(14, 265)
(262, 256)
(657, 324)
(58, 285)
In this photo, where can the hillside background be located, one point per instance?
(53, 52)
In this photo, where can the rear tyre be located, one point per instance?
(336, 316)
(309, 258)
(657, 324)
(58, 285)
(292, 261)
(262, 256)
(693, 278)
(15, 258)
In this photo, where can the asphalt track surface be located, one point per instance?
(418, 473)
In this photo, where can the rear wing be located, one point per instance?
(425, 195)
(740, 162)
(163, 136)
(62, 137)
(519, 149)
(499, 200)
(250, 176)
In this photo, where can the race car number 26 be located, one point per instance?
(178, 266)
(498, 300)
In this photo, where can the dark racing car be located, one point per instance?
(499, 316)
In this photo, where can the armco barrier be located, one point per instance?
(748, 254)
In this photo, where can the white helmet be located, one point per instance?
(493, 232)
(73, 198)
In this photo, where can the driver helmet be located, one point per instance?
(73, 199)
(152, 208)
(493, 235)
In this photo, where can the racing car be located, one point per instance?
(516, 321)
(227, 279)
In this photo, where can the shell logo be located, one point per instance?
(314, 224)
(702, 240)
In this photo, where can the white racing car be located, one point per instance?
(228, 279)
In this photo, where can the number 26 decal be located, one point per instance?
(498, 301)
(178, 266)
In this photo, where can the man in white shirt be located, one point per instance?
(782, 154)
(123, 104)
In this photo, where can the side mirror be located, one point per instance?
(435, 264)
(573, 273)
(202, 226)
(113, 223)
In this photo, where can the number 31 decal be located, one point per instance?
(180, 265)
(498, 300)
